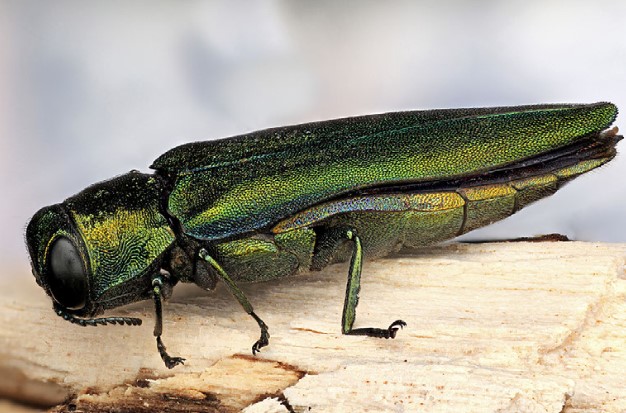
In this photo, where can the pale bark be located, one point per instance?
(499, 327)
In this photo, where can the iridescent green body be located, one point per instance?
(228, 187)
(409, 220)
(277, 202)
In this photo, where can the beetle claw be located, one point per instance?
(389, 332)
(394, 327)
(261, 342)
(171, 362)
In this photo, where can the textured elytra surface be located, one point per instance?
(483, 204)
(387, 222)
(269, 175)
(123, 225)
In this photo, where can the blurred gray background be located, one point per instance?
(90, 90)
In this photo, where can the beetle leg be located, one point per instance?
(353, 288)
(157, 286)
(239, 295)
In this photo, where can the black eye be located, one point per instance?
(68, 281)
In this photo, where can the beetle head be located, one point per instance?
(99, 248)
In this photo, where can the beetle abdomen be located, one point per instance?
(388, 222)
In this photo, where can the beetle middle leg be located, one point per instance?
(332, 239)
(240, 296)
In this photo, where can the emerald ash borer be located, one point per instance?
(281, 201)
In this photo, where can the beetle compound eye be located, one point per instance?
(68, 281)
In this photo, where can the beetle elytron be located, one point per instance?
(281, 201)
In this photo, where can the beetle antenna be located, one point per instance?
(131, 321)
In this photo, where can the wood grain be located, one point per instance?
(498, 327)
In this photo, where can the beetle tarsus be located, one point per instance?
(260, 343)
(389, 332)
(170, 362)
(264, 340)
(394, 327)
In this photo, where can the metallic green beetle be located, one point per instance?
(277, 202)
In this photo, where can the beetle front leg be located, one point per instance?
(239, 295)
(353, 288)
(170, 362)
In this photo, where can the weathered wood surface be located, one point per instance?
(500, 327)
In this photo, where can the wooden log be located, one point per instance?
(498, 327)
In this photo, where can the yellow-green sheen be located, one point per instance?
(122, 244)
(122, 229)
(273, 203)
(222, 199)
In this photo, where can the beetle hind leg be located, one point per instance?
(332, 240)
